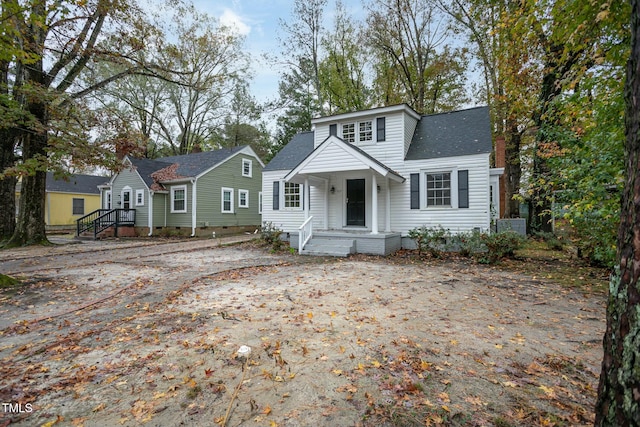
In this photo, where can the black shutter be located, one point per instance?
(276, 195)
(463, 189)
(380, 129)
(415, 191)
(333, 130)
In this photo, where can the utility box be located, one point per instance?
(519, 225)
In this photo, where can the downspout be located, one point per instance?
(150, 213)
(193, 208)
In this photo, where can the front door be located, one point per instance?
(355, 202)
(126, 199)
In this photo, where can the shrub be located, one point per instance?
(434, 240)
(271, 235)
(500, 245)
(470, 243)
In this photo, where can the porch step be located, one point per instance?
(329, 247)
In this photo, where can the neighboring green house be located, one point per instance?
(194, 194)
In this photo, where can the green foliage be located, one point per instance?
(488, 248)
(501, 245)
(8, 281)
(430, 239)
(470, 243)
(272, 236)
(552, 241)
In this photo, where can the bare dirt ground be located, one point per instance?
(147, 333)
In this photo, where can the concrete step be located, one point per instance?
(329, 247)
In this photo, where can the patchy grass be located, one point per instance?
(8, 282)
(562, 267)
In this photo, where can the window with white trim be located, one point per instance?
(260, 202)
(227, 200)
(439, 189)
(365, 131)
(179, 199)
(247, 168)
(243, 198)
(358, 132)
(349, 132)
(292, 195)
(139, 197)
(108, 199)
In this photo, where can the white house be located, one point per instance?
(360, 181)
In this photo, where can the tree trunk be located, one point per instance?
(7, 187)
(512, 170)
(30, 228)
(618, 401)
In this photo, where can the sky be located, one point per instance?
(258, 21)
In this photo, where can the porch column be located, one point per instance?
(305, 198)
(387, 219)
(326, 205)
(374, 204)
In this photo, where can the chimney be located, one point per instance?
(196, 148)
(500, 159)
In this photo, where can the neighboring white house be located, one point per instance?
(366, 178)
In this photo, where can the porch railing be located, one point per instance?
(305, 233)
(101, 219)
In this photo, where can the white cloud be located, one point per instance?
(230, 19)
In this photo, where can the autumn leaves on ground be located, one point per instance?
(141, 333)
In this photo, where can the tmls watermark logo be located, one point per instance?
(17, 408)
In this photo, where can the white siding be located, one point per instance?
(285, 219)
(456, 220)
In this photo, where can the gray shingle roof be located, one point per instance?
(458, 133)
(195, 163)
(189, 165)
(82, 184)
(293, 153)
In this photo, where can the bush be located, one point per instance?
(434, 240)
(500, 245)
(271, 235)
(470, 243)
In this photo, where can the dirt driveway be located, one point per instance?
(147, 333)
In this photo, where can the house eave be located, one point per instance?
(372, 112)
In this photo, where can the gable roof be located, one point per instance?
(320, 160)
(457, 133)
(77, 183)
(300, 146)
(184, 166)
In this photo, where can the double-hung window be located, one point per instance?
(358, 132)
(243, 198)
(439, 189)
(247, 166)
(179, 199)
(139, 197)
(292, 195)
(349, 132)
(227, 200)
(365, 133)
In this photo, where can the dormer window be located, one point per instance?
(349, 132)
(362, 132)
(365, 131)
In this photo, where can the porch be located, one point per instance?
(346, 242)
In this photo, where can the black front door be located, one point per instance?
(355, 202)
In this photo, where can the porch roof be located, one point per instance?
(336, 155)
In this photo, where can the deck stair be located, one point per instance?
(329, 247)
